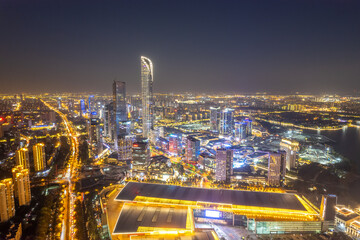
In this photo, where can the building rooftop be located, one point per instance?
(245, 198)
(137, 215)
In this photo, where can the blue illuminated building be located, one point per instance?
(227, 122)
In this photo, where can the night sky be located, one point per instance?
(197, 46)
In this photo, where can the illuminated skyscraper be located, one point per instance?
(276, 168)
(39, 157)
(227, 122)
(248, 123)
(173, 144)
(240, 131)
(7, 204)
(291, 147)
(327, 208)
(147, 95)
(94, 131)
(224, 164)
(22, 158)
(15, 170)
(192, 149)
(82, 107)
(125, 149)
(108, 115)
(140, 155)
(214, 118)
(120, 113)
(92, 107)
(21, 185)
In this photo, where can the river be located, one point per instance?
(346, 142)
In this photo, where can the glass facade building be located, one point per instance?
(214, 118)
(120, 113)
(147, 95)
(227, 122)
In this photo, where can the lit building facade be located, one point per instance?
(261, 212)
(140, 156)
(7, 204)
(192, 149)
(147, 95)
(276, 168)
(224, 164)
(22, 158)
(120, 111)
(240, 131)
(21, 185)
(173, 144)
(94, 131)
(108, 116)
(125, 149)
(92, 110)
(39, 157)
(214, 119)
(291, 147)
(227, 122)
(348, 220)
(248, 123)
(327, 208)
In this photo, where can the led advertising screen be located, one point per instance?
(212, 214)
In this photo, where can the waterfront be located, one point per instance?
(346, 142)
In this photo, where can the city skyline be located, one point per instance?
(155, 119)
(238, 47)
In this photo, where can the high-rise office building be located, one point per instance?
(125, 145)
(147, 95)
(21, 185)
(291, 147)
(224, 164)
(248, 123)
(140, 155)
(59, 103)
(94, 131)
(92, 109)
(214, 119)
(276, 168)
(39, 157)
(192, 149)
(7, 204)
(82, 108)
(108, 113)
(22, 158)
(173, 144)
(15, 170)
(227, 122)
(240, 131)
(120, 111)
(327, 208)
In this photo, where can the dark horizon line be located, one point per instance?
(356, 94)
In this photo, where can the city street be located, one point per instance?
(71, 172)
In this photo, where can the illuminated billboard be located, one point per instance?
(212, 214)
